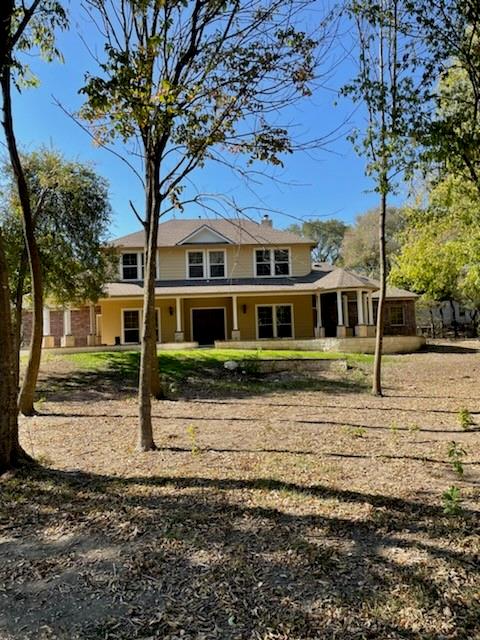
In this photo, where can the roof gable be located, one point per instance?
(238, 231)
(205, 235)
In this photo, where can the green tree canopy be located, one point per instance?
(72, 216)
(328, 235)
(440, 253)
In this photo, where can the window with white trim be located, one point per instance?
(131, 326)
(275, 321)
(272, 262)
(397, 315)
(132, 266)
(132, 321)
(206, 264)
(216, 264)
(195, 264)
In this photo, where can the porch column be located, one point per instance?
(92, 336)
(339, 308)
(235, 329)
(179, 336)
(319, 329)
(67, 339)
(371, 319)
(361, 330)
(360, 307)
(48, 340)
(341, 328)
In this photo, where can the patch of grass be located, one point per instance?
(195, 370)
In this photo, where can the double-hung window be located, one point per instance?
(132, 321)
(196, 264)
(272, 262)
(397, 315)
(206, 264)
(133, 266)
(275, 321)
(216, 264)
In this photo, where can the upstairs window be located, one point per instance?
(272, 262)
(206, 264)
(195, 264)
(132, 266)
(216, 264)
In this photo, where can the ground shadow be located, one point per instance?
(90, 557)
(115, 374)
(449, 348)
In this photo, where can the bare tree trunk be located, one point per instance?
(8, 387)
(145, 432)
(454, 319)
(377, 365)
(432, 321)
(442, 320)
(27, 392)
(17, 325)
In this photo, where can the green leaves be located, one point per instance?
(70, 204)
(440, 255)
(197, 80)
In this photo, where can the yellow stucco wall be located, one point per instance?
(240, 260)
(111, 320)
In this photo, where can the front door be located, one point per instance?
(208, 325)
(329, 314)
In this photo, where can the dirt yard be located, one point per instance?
(312, 512)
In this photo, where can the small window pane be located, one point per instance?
(195, 264)
(217, 264)
(281, 258)
(284, 321)
(131, 325)
(265, 322)
(262, 259)
(397, 316)
(129, 266)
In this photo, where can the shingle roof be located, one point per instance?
(395, 292)
(237, 230)
(340, 279)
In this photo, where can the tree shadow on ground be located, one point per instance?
(90, 557)
(449, 348)
(115, 374)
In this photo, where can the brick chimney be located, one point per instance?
(266, 220)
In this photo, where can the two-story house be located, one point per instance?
(232, 280)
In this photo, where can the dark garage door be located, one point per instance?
(208, 325)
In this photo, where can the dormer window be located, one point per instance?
(206, 264)
(272, 262)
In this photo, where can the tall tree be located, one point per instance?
(328, 235)
(440, 257)
(359, 250)
(448, 125)
(385, 84)
(22, 27)
(187, 82)
(71, 214)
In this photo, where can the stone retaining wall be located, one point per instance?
(391, 344)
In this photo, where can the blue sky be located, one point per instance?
(324, 184)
